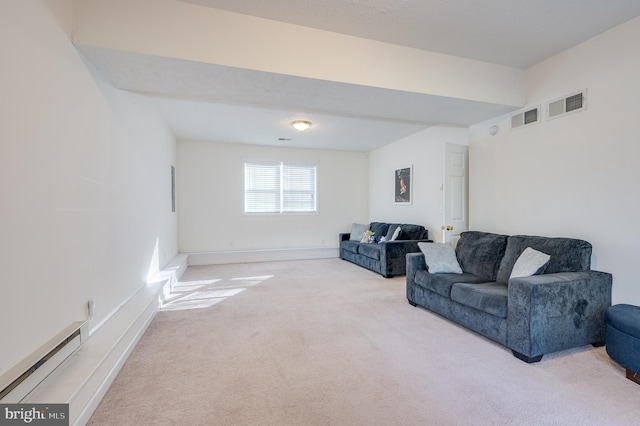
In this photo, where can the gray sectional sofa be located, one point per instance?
(560, 306)
(387, 257)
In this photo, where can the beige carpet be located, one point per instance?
(324, 342)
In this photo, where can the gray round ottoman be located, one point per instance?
(623, 338)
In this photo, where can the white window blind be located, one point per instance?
(279, 188)
(261, 188)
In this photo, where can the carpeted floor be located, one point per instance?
(325, 342)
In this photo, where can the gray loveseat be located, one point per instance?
(387, 258)
(560, 307)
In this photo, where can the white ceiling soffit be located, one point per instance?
(516, 33)
(228, 85)
(205, 101)
(214, 102)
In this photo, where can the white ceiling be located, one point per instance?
(517, 33)
(218, 103)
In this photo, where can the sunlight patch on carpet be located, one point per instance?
(206, 293)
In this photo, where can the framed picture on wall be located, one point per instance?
(403, 185)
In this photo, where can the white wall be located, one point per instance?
(573, 176)
(210, 180)
(86, 180)
(425, 152)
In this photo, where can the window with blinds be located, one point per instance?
(279, 188)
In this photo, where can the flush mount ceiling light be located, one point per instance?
(301, 125)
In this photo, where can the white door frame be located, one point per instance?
(455, 214)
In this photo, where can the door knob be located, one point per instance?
(447, 228)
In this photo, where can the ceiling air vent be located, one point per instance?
(525, 118)
(574, 102)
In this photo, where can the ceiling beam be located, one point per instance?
(171, 29)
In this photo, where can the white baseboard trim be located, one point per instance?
(87, 399)
(269, 255)
(171, 274)
(83, 379)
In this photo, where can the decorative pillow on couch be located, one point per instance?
(440, 258)
(357, 231)
(366, 237)
(393, 233)
(530, 262)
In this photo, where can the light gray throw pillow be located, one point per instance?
(357, 231)
(440, 258)
(396, 233)
(530, 262)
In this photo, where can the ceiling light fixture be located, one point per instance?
(301, 125)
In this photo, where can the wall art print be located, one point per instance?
(403, 185)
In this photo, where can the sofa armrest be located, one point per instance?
(393, 255)
(343, 237)
(415, 263)
(551, 312)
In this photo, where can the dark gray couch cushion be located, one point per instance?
(567, 254)
(370, 250)
(391, 230)
(412, 232)
(379, 229)
(480, 253)
(351, 246)
(441, 283)
(487, 297)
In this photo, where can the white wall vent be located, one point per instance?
(574, 102)
(525, 118)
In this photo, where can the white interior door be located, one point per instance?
(456, 178)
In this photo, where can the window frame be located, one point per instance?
(280, 209)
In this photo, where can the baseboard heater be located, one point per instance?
(18, 382)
